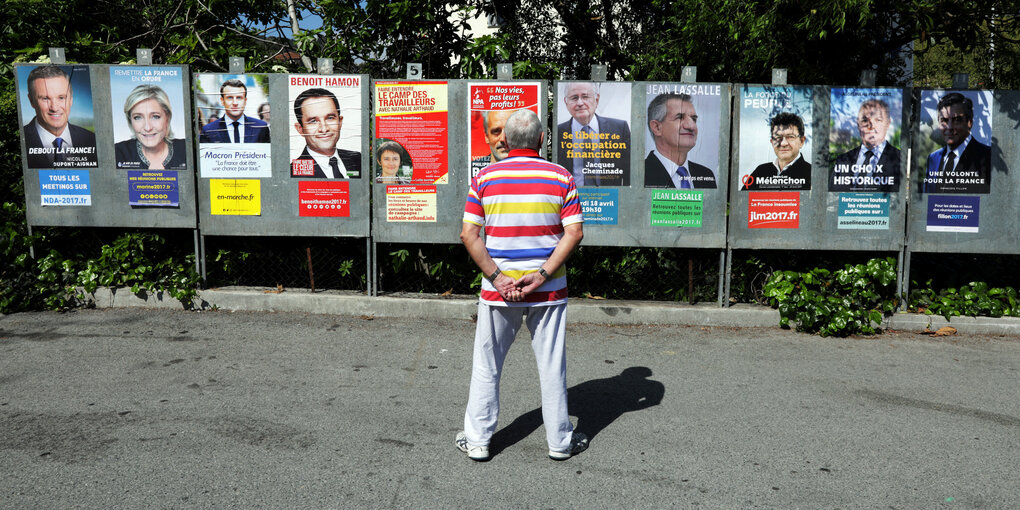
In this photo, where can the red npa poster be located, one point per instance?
(490, 104)
(414, 114)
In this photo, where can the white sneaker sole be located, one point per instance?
(475, 453)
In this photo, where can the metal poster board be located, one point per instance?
(652, 160)
(819, 168)
(106, 146)
(429, 136)
(283, 155)
(964, 187)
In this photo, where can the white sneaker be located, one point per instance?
(578, 444)
(479, 453)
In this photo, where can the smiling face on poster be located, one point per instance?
(592, 138)
(233, 141)
(682, 136)
(149, 123)
(57, 117)
(864, 142)
(393, 163)
(775, 138)
(325, 126)
(955, 141)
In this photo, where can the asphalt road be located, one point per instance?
(142, 408)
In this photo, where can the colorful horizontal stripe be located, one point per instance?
(523, 203)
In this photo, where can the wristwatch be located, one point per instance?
(492, 277)
(544, 274)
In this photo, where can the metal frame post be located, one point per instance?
(722, 277)
(729, 269)
(198, 257)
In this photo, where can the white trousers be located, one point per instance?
(497, 327)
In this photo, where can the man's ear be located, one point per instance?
(656, 127)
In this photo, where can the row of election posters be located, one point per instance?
(148, 121)
(593, 137)
(864, 147)
(322, 128)
(865, 159)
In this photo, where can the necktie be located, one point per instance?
(597, 178)
(685, 178)
(59, 144)
(948, 167)
(237, 132)
(579, 161)
(867, 161)
(335, 167)
(867, 167)
(945, 165)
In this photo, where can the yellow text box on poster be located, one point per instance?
(411, 203)
(235, 197)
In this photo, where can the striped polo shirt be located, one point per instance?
(523, 202)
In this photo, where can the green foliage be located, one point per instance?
(440, 267)
(826, 41)
(345, 267)
(748, 275)
(643, 273)
(987, 48)
(139, 261)
(379, 37)
(27, 283)
(135, 261)
(231, 262)
(973, 299)
(849, 301)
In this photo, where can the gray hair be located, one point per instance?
(657, 108)
(594, 85)
(143, 93)
(523, 130)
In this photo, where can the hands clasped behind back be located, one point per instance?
(515, 290)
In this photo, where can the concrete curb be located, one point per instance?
(463, 307)
(1001, 326)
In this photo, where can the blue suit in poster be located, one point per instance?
(255, 131)
(971, 173)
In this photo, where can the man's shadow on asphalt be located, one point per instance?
(595, 403)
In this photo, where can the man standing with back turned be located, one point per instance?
(532, 218)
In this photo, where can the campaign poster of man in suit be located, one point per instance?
(775, 125)
(57, 117)
(233, 141)
(682, 136)
(325, 120)
(593, 132)
(958, 141)
(864, 139)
